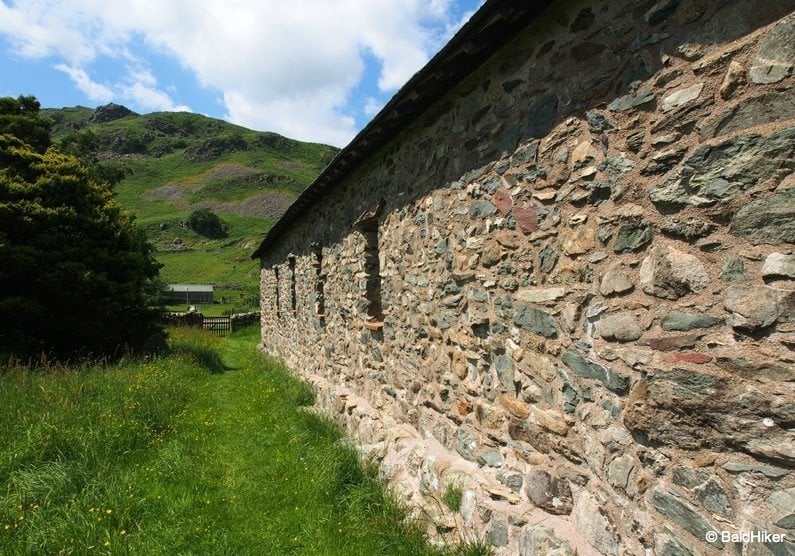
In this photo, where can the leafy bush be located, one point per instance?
(207, 223)
(75, 273)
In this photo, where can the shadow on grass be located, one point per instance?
(205, 356)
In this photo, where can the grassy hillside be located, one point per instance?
(179, 162)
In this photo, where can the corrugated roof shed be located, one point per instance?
(191, 288)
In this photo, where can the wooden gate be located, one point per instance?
(220, 326)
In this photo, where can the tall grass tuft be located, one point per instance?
(208, 451)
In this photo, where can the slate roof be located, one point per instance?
(493, 25)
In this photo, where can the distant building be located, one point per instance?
(188, 294)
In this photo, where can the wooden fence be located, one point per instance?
(220, 326)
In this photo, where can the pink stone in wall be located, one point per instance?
(526, 218)
(502, 200)
(697, 358)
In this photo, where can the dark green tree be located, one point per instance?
(75, 272)
(207, 223)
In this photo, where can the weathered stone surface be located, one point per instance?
(580, 366)
(541, 115)
(577, 241)
(776, 55)
(535, 320)
(633, 237)
(549, 258)
(718, 173)
(620, 470)
(526, 218)
(549, 420)
(458, 379)
(615, 281)
(530, 433)
(593, 524)
(763, 370)
(696, 358)
(766, 470)
(753, 307)
(782, 508)
(767, 220)
(490, 458)
(597, 121)
(539, 295)
(663, 161)
(666, 544)
(615, 166)
(515, 407)
(769, 107)
(502, 200)
(466, 444)
(537, 540)
(732, 80)
(691, 229)
(628, 102)
(667, 343)
(684, 322)
(642, 40)
(778, 265)
(620, 327)
(503, 365)
(683, 514)
(551, 494)
(706, 488)
(695, 411)
(497, 532)
(660, 11)
(670, 274)
(733, 270)
(681, 96)
(525, 154)
(481, 209)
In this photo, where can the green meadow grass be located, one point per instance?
(207, 451)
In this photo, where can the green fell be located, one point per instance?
(174, 163)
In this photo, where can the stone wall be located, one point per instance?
(583, 308)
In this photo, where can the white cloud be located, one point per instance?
(96, 92)
(288, 67)
(372, 106)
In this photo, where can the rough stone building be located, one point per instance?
(557, 271)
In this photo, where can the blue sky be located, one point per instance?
(315, 70)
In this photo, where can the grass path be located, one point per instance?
(208, 451)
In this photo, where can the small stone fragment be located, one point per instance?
(753, 307)
(660, 11)
(733, 270)
(621, 328)
(733, 79)
(551, 494)
(633, 237)
(779, 265)
(670, 274)
(683, 322)
(681, 96)
(615, 281)
(628, 102)
(767, 220)
(776, 55)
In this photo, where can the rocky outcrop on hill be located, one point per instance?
(110, 112)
